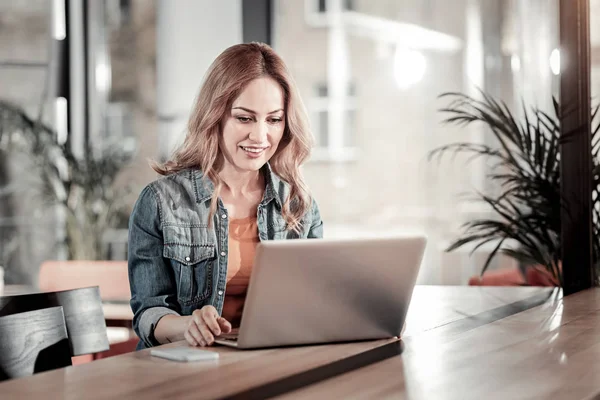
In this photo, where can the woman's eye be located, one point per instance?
(276, 120)
(244, 119)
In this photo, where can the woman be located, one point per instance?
(234, 182)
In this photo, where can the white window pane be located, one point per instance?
(323, 121)
(350, 129)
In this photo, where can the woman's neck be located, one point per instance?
(238, 182)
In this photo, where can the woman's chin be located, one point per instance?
(253, 164)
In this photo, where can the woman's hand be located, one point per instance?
(204, 325)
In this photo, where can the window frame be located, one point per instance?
(332, 153)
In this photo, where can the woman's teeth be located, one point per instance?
(253, 149)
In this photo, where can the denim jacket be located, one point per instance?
(177, 264)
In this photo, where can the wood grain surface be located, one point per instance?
(422, 370)
(85, 321)
(116, 312)
(548, 352)
(33, 342)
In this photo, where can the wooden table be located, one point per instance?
(460, 343)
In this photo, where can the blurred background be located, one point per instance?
(102, 86)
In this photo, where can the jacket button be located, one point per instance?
(223, 253)
(223, 216)
(187, 259)
(220, 293)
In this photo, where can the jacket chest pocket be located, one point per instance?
(193, 264)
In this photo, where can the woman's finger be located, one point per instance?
(224, 324)
(206, 334)
(189, 339)
(210, 319)
(194, 331)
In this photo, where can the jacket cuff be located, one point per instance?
(148, 321)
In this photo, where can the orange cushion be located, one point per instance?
(502, 277)
(538, 276)
(111, 277)
(534, 276)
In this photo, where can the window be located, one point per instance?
(346, 4)
(119, 126)
(125, 7)
(328, 146)
(316, 11)
(118, 13)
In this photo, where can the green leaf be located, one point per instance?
(526, 166)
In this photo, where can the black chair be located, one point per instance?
(32, 342)
(83, 314)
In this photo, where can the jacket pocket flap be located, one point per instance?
(187, 245)
(189, 254)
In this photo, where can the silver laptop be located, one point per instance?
(313, 291)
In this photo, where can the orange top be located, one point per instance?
(243, 238)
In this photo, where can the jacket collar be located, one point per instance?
(205, 188)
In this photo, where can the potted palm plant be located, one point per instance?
(82, 187)
(525, 165)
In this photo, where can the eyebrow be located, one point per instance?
(254, 112)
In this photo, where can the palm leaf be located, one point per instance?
(526, 166)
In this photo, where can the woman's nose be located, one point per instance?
(259, 132)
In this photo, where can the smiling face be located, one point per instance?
(255, 125)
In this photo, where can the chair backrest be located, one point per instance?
(83, 314)
(110, 276)
(32, 342)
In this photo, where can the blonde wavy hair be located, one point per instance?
(226, 78)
